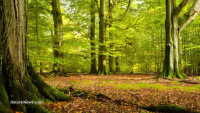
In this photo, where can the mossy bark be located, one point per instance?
(4, 101)
(58, 36)
(167, 108)
(171, 64)
(18, 79)
(174, 25)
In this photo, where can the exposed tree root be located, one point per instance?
(4, 109)
(30, 88)
(89, 94)
(170, 75)
(167, 108)
(44, 89)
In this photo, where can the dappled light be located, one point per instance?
(99, 56)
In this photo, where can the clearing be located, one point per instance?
(123, 93)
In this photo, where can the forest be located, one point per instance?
(99, 56)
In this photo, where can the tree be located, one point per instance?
(174, 25)
(102, 38)
(36, 31)
(58, 34)
(106, 20)
(18, 79)
(111, 57)
(92, 39)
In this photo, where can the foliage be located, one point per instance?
(139, 38)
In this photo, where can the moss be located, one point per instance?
(36, 109)
(80, 93)
(66, 75)
(4, 109)
(3, 94)
(47, 91)
(169, 108)
(60, 95)
(31, 87)
(171, 74)
(15, 91)
(19, 107)
(162, 75)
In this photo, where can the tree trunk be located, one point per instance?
(171, 65)
(58, 35)
(117, 64)
(18, 80)
(111, 58)
(36, 31)
(102, 39)
(92, 39)
(41, 71)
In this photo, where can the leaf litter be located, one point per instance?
(122, 93)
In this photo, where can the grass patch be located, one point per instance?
(72, 82)
(175, 82)
(138, 86)
(108, 80)
(152, 86)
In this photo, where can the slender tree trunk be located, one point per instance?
(117, 64)
(36, 31)
(102, 39)
(18, 79)
(58, 35)
(111, 57)
(92, 39)
(161, 51)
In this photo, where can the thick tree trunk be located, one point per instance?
(58, 35)
(18, 80)
(92, 39)
(174, 25)
(171, 65)
(102, 39)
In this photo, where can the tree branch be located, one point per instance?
(110, 11)
(97, 5)
(42, 9)
(190, 15)
(123, 15)
(133, 25)
(181, 6)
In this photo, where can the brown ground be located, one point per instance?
(126, 92)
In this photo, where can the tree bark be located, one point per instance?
(111, 57)
(18, 79)
(58, 35)
(92, 39)
(174, 26)
(117, 64)
(102, 39)
(171, 67)
(36, 31)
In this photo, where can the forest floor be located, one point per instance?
(122, 93)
